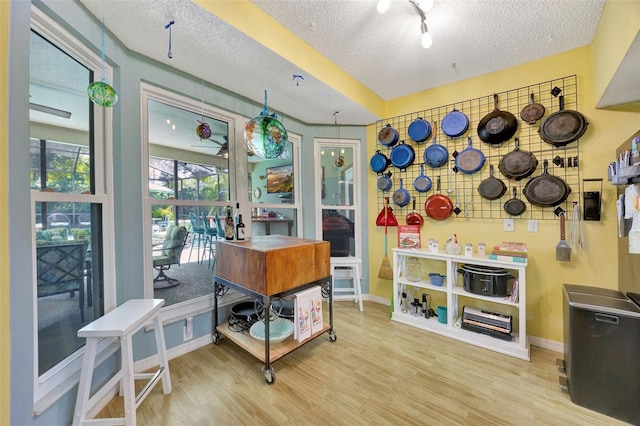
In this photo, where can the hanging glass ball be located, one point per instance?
(265, 137)
(203, 130)
(102, 94)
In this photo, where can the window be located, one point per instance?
(69, 163)
(339, 205)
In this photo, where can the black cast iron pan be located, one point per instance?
(515, 206)
(563, 127)
(518, 164)
(491, 188)
(497, 126)
(532, 112)
(546, 190)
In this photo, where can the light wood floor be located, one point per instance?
(377, 372)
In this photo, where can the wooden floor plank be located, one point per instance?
(377, 372)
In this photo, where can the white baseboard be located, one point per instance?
(546, 344)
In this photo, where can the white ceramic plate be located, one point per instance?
(279, 329)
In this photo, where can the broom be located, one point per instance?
(386, 272)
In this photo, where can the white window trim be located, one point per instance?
(56, 382)
(319, 145)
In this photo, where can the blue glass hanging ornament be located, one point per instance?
(265, 136)
(100, 92)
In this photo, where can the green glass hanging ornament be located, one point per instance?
(265, 136)
(100, 92)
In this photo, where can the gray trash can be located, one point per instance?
(601, 351)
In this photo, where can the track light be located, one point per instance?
(383, 6)
(422, 7)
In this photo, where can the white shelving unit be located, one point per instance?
(518, 347)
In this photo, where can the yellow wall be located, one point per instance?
(5, 359)
(597, 264)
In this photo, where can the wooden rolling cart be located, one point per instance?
(271, 268)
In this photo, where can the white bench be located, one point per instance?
(122, 323)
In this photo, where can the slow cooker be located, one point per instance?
(486, 280)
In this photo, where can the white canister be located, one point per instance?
(468, 250)
(434, 246)
(482, 249)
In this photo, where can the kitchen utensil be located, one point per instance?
(386, 216)
(515, 206)
(454, 124)
(436, 279)
(438, 206)
(435, 155)
(388, 136)
(423, 182)
(546, 190)
(379, 162)
(386, 273)
(466, 207)
(414, 218)
(402, 155)
(470, 160)
(497, 126)
(518, 164)
(384, 182)
(419, 130)
(620, 213)
(401, 196)
(491, 188)
(563, 249)
(575, 235)
(457, 210)
(563, 126)
(449, 188)
(532, 112)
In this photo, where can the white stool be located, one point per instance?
(352, 293)
(123, 322)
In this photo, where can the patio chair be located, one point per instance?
(169, 254)
(198, 232)
(211, 234)
(58, 220)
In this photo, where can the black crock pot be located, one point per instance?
(486, 280)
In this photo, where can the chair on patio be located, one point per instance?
(198, 233)
(169, 254)
(211, 234)
(58, 220)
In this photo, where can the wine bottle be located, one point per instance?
(235, 214)
(240, 229)
(229, 228)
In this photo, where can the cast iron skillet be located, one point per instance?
(454, 124)
(438, 206)
(563, 127)
(491, 188)
(419, 130)
(379, 162)
(532, 112)
(518, 164)
(402, 156)
(497, 126)
(470, 160)
(515, 206)
(435, 155)
(423, 182)
(546, 190)
(388, 136)
(401, 196)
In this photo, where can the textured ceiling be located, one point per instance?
(382, 52)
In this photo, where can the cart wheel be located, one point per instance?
(332, 336)
(269, 375)
(216, 337)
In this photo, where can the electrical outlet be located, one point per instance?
(187, 332)
(509, 225)
(533, 225)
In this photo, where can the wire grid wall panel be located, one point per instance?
(563, 162)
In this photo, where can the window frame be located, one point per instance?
(57, 381)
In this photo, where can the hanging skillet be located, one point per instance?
(402, 156)
(388, 136)
(414, 218)
(454, 124)
(563, 127)
(435, 155)
(532, 112)
(438, 206)
(491, 188)
(384, 182)
(497, 126)
(379, 162)
(515, 206)
(401, 196)
(546, 190)
(470, 160)
(422, 183)
(518, 164)
(419, 130)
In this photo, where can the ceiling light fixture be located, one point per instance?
(49, 110)
(422, 7)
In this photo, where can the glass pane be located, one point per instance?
(69, 279)
(272, 181)
(280, 221)
(182, 268)
(337, 176)
(193, 181)
(338, 228)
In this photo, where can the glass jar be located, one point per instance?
(414, 271)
